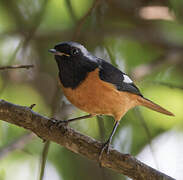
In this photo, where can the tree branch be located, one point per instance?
(169, 58)
(167, 84)
(16, 67)
(47, 129)
(82, 20)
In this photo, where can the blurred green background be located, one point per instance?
(144, 38)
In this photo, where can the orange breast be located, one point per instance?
(96, 96)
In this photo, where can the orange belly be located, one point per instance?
(99, 97)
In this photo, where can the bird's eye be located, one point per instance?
(75, 51)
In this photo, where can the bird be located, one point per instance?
(97, 87)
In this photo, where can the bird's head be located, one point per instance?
(71, 51)
(74, 61)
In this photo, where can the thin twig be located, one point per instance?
(12, 58)
(168, 59)
(112, 57)
(167, 84)
(83, 19)
(32, 106)
(43, 159)
(47, 144)
(100, 121)
(16, 67)
(37, 22)
(70, 9)
(47, 129)
(148, 133)
(17, 144)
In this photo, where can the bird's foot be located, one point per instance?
(63, 122)
(60, 123)
(105, 147)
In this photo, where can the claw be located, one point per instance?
(65, 123)
(105, 147)
(54, 120)
(60, 123)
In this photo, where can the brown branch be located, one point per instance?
(70, 9)
(47, 129)
(169, 58)
(82, 20)
(16, 67)
(167, 84)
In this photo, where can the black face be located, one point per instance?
(74, 63)
(70, 49)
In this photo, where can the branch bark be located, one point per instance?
(47, 129)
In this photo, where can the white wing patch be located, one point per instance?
(127, 79)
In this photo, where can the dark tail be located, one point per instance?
(149, 104)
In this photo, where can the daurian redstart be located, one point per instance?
(97, 87)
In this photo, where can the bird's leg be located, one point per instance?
(66, 122)
(105, 146)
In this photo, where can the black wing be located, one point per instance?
(111, 74)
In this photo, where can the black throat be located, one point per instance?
(73, 71)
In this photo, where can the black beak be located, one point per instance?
(55, 52)
(52, 51)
